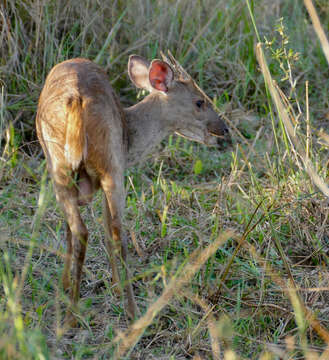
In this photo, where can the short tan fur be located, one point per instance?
(89, 139)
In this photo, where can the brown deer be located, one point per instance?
(89, 140)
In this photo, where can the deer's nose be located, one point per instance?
(225, 139)
(226, 131)
(223, 127)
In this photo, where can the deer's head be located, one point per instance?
(187, 108)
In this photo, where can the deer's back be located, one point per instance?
(102, 115)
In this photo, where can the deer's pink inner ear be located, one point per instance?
(160, 75)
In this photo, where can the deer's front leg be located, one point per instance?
(115, 241)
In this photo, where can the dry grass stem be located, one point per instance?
(284, 113)
(211, 322)
(128, 339)
(318, 27)
(289, 288)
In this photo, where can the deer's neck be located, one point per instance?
(147, 126)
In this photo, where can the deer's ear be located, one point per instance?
(161, 75)
(138, 70)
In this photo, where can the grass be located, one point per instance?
(263, 294)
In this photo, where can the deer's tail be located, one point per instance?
(75, 134)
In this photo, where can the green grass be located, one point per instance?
(182, 198)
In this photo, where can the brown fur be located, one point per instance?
(89, 140)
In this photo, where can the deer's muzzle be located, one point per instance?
(220, 130)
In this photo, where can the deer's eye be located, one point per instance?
(199, 103)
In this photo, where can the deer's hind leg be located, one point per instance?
(116, 241)
(66, 277)
(77, 238)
